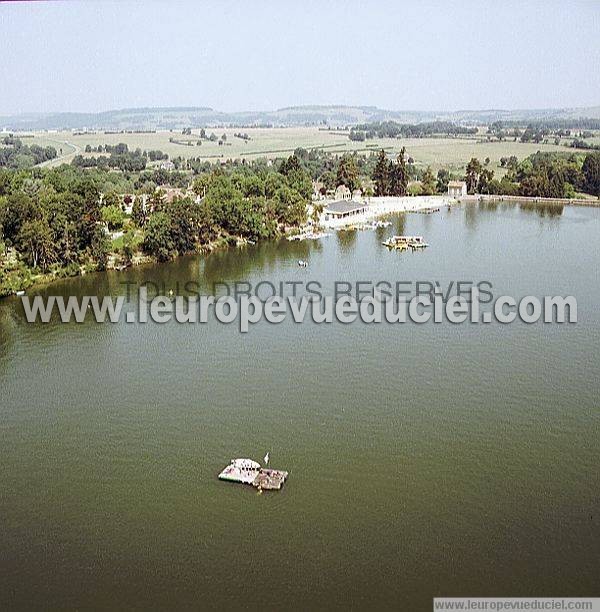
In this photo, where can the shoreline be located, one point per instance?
(44, 279)
(591, 202)
(380, 206)
(376, 207)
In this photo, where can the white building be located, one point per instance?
(343, 209)
(457, 189)
(343, 193)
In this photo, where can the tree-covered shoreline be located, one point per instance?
(69, 220)
(72, 219)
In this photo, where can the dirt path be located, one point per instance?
(65, 157)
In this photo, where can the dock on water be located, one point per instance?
(247, 471)
(427, 211)
(403, 243)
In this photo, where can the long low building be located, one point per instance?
(343, 209)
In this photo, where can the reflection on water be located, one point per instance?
(400, 224)
(543, 209)
(489, 205)
(471, 215)
(221, 266)
(346, 239)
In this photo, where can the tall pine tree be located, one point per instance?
(428, 183)
(381, 175)
(399, 175)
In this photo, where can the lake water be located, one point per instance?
(425, 460)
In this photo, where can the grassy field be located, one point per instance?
(452, 153)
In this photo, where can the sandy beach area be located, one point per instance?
(378, 207)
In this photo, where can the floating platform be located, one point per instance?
(268, 479)
(403, 243)
(246, 471)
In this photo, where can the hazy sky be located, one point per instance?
(262, 55)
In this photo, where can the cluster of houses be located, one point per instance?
(342, 203)
(168, 193)
(341, 192)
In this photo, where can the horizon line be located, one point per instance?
(292, 107)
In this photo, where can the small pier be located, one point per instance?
(426, 211)
(308, 236)
(246, 471)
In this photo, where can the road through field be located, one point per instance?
(65, 157)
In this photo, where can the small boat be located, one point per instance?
(302, 263)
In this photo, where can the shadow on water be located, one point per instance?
(542, 209)
(237, 264)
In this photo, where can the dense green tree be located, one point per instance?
(157, 237)
(415, 189)
(393, 129)
(484, 179)
(381, 175)
(591, 173)
(128, 248)
(113, 217)
(328, 179)
(398, 174)
(36, 242)
(347, 173)
(15, 209)
(14, 154)
(99, 248)
(443, 178)
(200, 184)
(290, 165)
(428, 182)
(138, 214)
(472, 174)
(157, 200)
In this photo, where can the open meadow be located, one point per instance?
(449, 152)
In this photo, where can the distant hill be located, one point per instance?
(177, 118)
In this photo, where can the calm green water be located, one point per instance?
(425, 460)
